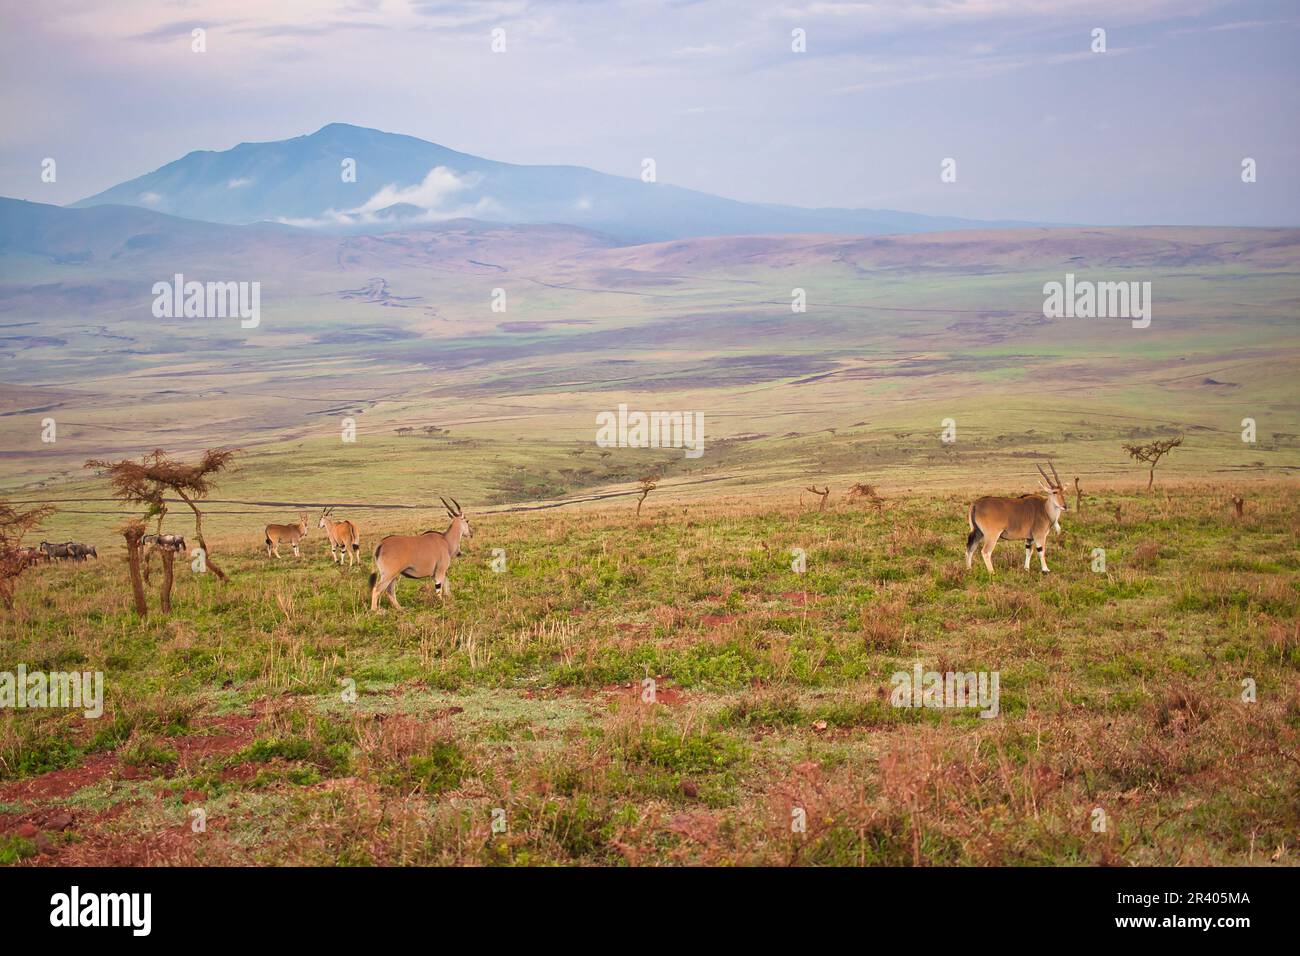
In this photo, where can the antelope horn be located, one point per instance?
(447, 506)
(457, 504)
(1054, 474)
(1043, 473)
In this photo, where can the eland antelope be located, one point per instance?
(343, 536)
(1029, 517)
(418, 556)
(289, 533)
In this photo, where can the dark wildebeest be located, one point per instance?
(54, 551)
(169, 542)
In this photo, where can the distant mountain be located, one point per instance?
(402, 181)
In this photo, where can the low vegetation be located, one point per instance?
(666, 688)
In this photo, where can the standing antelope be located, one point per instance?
(418, 556)
(343, 536)
(289, 533)
(1029, 517)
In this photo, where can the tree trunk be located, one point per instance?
(165, 596)
(1151, 479)
(198, 533)
(133, 534)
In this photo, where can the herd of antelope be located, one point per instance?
(1029, 517)
(406, 555)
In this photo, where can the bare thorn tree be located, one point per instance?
(150, 480)
(865, 492)
(823, 493)
(1151, 453)
(14, 524)
(648, 484)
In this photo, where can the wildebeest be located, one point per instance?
(418, 556)
(28, 556)
(80, 552)
(168, 542)
(1029, 517)
(55, 551)
(291, 533)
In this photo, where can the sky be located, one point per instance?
(1152, 130)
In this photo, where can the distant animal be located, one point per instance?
(55, 551)
(289, 533)
(418, 556)
(168, 542)
(80, 552)
(29, 556)
(343, 536)
(1030, 517)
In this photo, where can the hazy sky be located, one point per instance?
(1154, 130)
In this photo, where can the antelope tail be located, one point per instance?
(975, 532)
(374, 576)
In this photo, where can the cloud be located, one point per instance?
(150, 199)
(240, 181)
(433, 197)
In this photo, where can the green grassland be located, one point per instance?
(1121, 691)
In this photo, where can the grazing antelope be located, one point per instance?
(289, 533)
(418, 556)
(343, 535)
(1029, 517)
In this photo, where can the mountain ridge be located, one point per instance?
(403, 180)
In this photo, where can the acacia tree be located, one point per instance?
(822, 493)
(1151, 453)
(149, 481)
(648, 484)
(866, 492)
(14, 524)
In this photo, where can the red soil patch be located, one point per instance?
(717, 620)
(233, 733)
(60, 783)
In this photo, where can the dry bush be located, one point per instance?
(882, 624)
(1145, 555)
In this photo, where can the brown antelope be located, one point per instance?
(1029, 517)
(418, 556)
(343, 536)
(288, 533)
